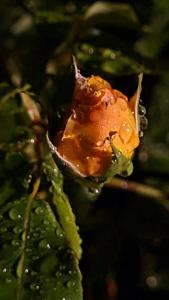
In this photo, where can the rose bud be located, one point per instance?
(102, 131)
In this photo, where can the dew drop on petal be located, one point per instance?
(125, 132)
(99, 143)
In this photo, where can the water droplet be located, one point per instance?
(99, 143)
(28, 250)
(141, 133)
(125, 132)
(16, 202)
(8, 280)
(94, 191)
(17, 229)
(1, 217)
(141, 110)
(60, 248)
(39, 210)
(4, 270)
(70, 284)
(24, 237)
(74, 116)
(3, 229)
(62, 267)
(35, 287)
(46, 222)
(15, 243)
(27, 181)
(152, 281)
(35, 257)
(58, 274)
(44, 244)
(143, 123)
(34, 273)
(35, 234)
(59, 233)
(14, 214)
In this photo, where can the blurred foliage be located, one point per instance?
(125, 231)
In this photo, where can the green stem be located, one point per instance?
(21, 263)
(139, 188)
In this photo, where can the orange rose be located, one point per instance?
(102, 120)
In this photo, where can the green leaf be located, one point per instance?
(36, 260)
(111, 14)
(66, 216)
(52, 16)
(39, 252)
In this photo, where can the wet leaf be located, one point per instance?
(35, 258)
(66, 216)
(40, 246)
(111, 14)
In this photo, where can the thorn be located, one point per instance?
(77, 71)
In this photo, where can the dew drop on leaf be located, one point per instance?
(70, 284)
(62, 267)
(14, 214)
(46, 222)
(94, 191)
(4, 270)
(3, 229)
(59, 233)
(39, 210)
(35, 257)
(58, 274)
(44, 244)
(15, 243)
(35, 234)
(8, 280)
(17, 229)
(26, 270)
(33, 273)
(34, 287)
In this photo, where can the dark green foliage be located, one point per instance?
(125, 232)
(39, 255)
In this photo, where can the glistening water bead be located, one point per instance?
(34, 287)
(14, 214)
